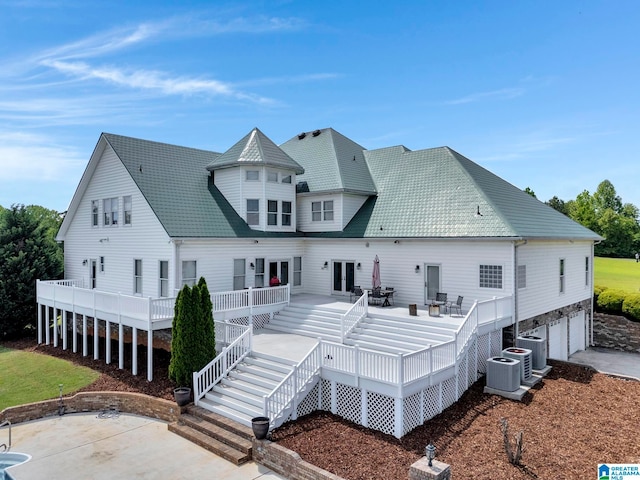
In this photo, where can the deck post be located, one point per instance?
(364, 409)
(63, 314)
(150, 354)
(134, 350)
(39, 322)
(47, 332)
(120, 346)
(85, 347)
(74, 329)
(96, 336)
(55, 327)
(398, 414)
(107, 342)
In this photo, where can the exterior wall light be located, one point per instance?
(252, 266)
(326, 264)
(417, 268)
(359, 266)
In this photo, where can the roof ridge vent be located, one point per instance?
(301, 135)
(316, 133)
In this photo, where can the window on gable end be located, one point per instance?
(94, 213)
(127, 205)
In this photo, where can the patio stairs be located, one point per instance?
(240, 396)
(399, 335)
(308, 320)
(222, 436)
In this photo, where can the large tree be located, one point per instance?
(28, 252)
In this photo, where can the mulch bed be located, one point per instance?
(571, 421)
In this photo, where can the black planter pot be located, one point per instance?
(182, 395)
(260, 426)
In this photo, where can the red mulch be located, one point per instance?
(571, 421)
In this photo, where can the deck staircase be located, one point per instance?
(308, 320)
(240, 395)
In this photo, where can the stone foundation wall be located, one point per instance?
(125, 402)
(617, 332)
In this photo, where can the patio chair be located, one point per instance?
(390, 297)
(356, 292)
(375, 297)
(457, 305)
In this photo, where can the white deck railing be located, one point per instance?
(353, 316)
(284, 395)
(219, 367)
(249, 298)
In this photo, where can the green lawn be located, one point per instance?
(619, 273)
(31, 377)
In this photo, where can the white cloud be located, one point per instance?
(502, 94)
(25, 156)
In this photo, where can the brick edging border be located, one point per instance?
(83, 402)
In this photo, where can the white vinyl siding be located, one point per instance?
(229, 182)
(145, 239)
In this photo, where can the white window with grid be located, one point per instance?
(163, 274)
(189, 272)
(94, 213)
(110, 209)
(239, 272)
(316, 211)
(491, 276)
(522, 276)
(286, 214)
(327, 207)
(137, 277)
(126, 206)
(562, 280)
(272, 212)
(272, 177)
(259, 275)
(297, 271)
(253, 211)
(252, 175)
(587, 276)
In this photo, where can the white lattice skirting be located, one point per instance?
(398, 416)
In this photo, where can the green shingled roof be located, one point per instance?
(439, 193)
(174, 180)
(331, 162)
(255, 149)
(432, 193)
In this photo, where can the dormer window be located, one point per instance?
(252, 175)
(253, 211)
(272, 177)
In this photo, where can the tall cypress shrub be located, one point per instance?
(178, 366)
(208, 327)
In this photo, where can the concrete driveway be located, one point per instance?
(605, 360)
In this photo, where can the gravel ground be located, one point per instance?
(571, 421)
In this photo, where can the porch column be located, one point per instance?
(96, 336)
(85, 349)
(107, 342)
(397, 410)
(150, 354)
(120, 346)
(134, 350)
(47, 331)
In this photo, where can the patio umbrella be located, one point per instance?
(375, 276)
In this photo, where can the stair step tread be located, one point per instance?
(215, 431)
(219, 448)
(225, 422)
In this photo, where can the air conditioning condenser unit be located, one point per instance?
(538, 347)
(503, 374)
(525, 357)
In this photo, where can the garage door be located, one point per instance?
(577, 333)
(558, 339)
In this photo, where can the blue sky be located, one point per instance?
(543, 93)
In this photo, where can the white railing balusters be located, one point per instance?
(354, 316)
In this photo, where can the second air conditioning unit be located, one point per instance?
(503, 374)
(538, 347)
(525, 357)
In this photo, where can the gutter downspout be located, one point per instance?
(516, 244)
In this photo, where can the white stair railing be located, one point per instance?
(285, 394)
(352, 318)
(220, 366)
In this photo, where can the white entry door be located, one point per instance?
(431, 282)
(343, 278)
(558, 339)
(577, 333)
